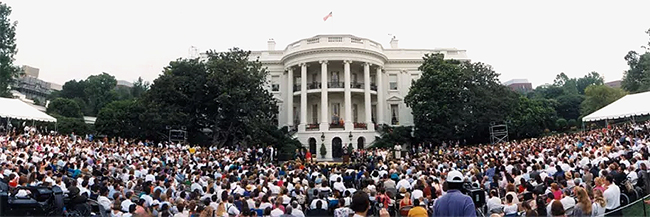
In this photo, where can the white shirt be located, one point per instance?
(147, 200)
(568, 202)
(104, 201)
(612, 197)
(417, 194)
(313, 204)
(493, 203)
(125, 205)
(403, 183)
(277, 212)
(297, 213)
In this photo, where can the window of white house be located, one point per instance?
(275, 83)
(355, 113)
(394, 114)
(336, 118)
(392, 82)
(314, 114)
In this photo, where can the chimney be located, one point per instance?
(393, 43)
(271, 44)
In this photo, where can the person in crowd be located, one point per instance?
(494, 203)
(557, 210)
(418, 210)
(599, 204)
(510, 208)
(454, 203)
(584, 205)
(612, 196)
(178, 179)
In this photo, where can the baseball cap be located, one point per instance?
(455, 177)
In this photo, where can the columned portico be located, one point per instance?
(357, 87)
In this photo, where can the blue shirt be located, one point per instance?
(454, 203)
(490, 173)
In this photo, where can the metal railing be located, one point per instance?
(313, 85)
(356, 85)
(335, 85)
(634, 208)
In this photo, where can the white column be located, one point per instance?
(290, 96)
(324, 121)
(348, 97)
(366, 95)
(303, 96)
(380, 97)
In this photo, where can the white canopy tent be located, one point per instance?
(16, 109)
(628, 106)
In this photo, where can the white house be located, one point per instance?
(336, 89)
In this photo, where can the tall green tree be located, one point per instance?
(139, 87)
(8, 72)
(64, 107)
(568, 105)
(593, 78)
(99, 91)
(456, 100)
(531, 117)
(637, 78)
(121, 118)
(73, 89)
(223, 94)
(598, 96)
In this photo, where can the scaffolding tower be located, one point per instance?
(498, 132)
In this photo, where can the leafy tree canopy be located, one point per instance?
(64, 107)
(8, 72)
(223, 94)
(456, 100)
(599, 96)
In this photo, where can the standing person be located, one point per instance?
(598, 204)
(360, 204)
(454, 203)
(583, 207)
(398, 151)
(612, 196)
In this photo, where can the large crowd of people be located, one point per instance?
(579, 174)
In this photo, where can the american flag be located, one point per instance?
(328, 16)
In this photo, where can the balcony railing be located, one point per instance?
(356, 85)
(362, 126)
(335, 85)
(313, 85)
(337, 125)
(318, 85)
(312, 127)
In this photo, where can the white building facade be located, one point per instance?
(337, 89)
